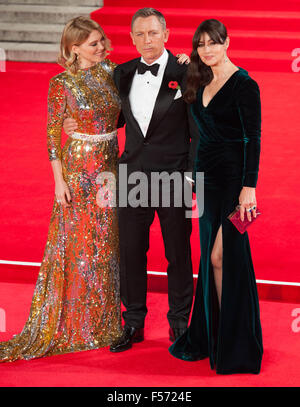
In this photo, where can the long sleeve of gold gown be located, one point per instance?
(76, 302)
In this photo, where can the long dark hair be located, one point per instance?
(198, 73)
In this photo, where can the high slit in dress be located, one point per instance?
(228, 156)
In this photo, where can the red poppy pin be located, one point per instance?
(174, 85)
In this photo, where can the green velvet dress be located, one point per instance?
(228, 154)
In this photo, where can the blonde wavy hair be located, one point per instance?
(76, 32)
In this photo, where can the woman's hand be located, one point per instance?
(70, 125)
(247, 201)
(62, 193)
(183, 59)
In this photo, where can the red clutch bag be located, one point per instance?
(234, 217)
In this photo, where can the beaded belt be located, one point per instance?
(94, 138)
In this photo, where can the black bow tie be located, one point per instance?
(142, 68)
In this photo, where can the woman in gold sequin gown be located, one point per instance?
(76, 304)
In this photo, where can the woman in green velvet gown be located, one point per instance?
(225, 102)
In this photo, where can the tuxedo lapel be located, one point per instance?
(165, 95)
(126, 79)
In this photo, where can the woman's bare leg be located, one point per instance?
(216, 259)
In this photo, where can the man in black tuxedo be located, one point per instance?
(158, 138)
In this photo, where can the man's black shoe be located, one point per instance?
(130, 335)
(175, 333)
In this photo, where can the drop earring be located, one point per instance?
(77, 60)
(73, 55)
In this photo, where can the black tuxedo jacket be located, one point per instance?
(171, 140)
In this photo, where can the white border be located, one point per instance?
(156, 273)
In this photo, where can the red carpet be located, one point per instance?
(150, 363)
(263, 36)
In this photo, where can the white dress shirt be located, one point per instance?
(144, 91)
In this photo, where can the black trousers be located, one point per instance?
(134, 229)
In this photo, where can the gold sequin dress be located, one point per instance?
(76, 302)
